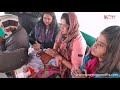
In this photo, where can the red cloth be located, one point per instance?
(31, 70)
(47, 71)
(91, 65)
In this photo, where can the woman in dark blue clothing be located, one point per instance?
(45, 31)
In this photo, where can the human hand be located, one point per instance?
(51, 52)
(36, 46)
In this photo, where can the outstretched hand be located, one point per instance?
(36, 46)
(51, 52)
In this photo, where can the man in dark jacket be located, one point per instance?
(18, 37)
(27, 19)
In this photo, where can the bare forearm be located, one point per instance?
(59, 57)
(67, 63)
(64, 61)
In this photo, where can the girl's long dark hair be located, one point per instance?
(111, 61)
(54, 21)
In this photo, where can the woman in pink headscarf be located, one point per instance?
(70, 46)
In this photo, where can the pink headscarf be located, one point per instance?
(72, 33)
(63, 45)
